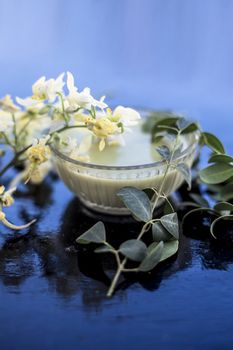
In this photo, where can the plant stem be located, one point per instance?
(66, 118)
(67, 128)
(121, 266)
(13, 160)
(116, 278)
(8, 141)
(145, 228)
(18, 154)
(14, 130)
(160, 191)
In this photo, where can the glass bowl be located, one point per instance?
(96, 186)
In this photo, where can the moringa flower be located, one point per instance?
(43, 90)
(48, 89)
(126, 116)
(39, 152)
(109, 126)
(7, 104)
(83, 99)
(102, 128)
(6, 198)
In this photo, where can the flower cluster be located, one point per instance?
(56, 105)
(30, 124)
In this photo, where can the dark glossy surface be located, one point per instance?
(52, 294)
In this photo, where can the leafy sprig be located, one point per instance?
(164, 231)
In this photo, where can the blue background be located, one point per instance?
(152, 53)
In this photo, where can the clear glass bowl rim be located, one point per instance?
(160, 163)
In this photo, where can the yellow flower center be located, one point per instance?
(38, 154)
(104, 127)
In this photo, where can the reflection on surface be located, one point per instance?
(52, 255)
(69, 269)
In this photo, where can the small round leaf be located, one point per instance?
(159, 233)
(170, 222)
(217, 173)
(153, 255)
(137, 202)
(170, 248)
(133, 249)
(96, 234)
(213, 142)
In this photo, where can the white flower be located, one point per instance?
(126, 116)
(100, 103)
(43, 90)
(27, 102)
(52, 87)
(39, 152)
(65, 144)
(109, 126)
(6, 198)
(7, 104)
(81, 99)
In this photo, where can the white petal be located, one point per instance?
(40, 81)
(70, 82)
(27, 102)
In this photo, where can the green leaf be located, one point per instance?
(190, 128)
(159, 118)
(224, 218)
(224, 208)
(213, 142)
(216, 173)
(157, 138)
(220, 158)
(170, 248)
(186, 172)
(186, 126)
(137, 202)
(199, 200)
(169, 120)
(96, 234)
(133, 249)
(164, 152)
(104, 249)
(159, 233)
(170, 222)
(226, 192)
(153, 255)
